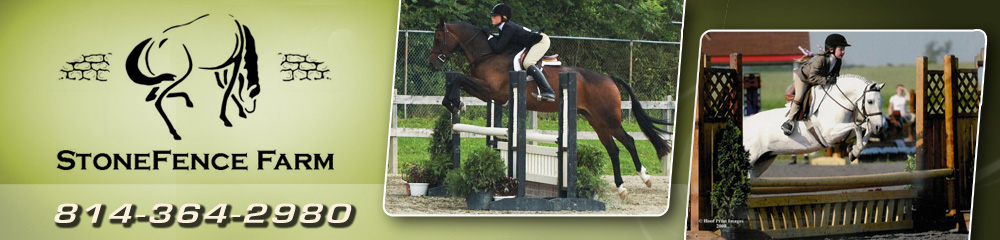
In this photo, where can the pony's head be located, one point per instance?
(871, 108)
(445, 44)
(868, 100)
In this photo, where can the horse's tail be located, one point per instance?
(646, 122)
(132, 66)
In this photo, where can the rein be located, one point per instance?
(442, 56)
(858, 113)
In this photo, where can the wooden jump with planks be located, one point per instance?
(947, 116)
(550, 167)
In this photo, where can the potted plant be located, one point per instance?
(731, 192)
(476, 178)
(505, 188)
(588, 172)
(417, 178)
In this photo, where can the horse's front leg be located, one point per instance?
(452, 97)
(862, 136)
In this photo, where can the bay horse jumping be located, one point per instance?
(598, 100)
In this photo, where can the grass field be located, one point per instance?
(775, 81)
(415, 149)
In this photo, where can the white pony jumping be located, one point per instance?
(853, 104)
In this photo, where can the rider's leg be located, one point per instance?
(800, 88)
(534, 54)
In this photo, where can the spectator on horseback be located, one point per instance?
(521, 37)
(820, 69)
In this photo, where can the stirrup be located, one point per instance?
(538, 97)
(789, 130)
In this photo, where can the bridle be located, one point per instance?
(442, 56)
(860, 114)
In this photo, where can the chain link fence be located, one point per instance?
(650, 67)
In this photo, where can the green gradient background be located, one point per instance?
(347, 115)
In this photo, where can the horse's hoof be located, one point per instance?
(645, 177)
(622, 192)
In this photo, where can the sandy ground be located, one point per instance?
(641, 200)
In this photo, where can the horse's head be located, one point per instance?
(454, 38)
(248, 83)
(248, 87)
(445, 44)
(870, 111)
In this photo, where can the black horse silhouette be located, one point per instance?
(237, 68)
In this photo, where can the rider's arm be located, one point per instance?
(499, 43)
(816, 71)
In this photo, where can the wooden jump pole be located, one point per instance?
(809, 184)
(567, 133)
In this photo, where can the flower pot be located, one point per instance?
(418, 189)
(478, 200)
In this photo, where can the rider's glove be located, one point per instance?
(832, 79)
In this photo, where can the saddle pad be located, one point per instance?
(550, 60)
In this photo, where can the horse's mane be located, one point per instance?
(465, 25)
(855, 76)
(469, 26)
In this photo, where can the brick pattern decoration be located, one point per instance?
(87, 67)
(302, 67)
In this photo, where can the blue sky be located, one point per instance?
(901, 48)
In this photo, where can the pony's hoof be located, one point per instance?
(649, 182)
(622, 192)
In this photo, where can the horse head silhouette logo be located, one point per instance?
(235, 71)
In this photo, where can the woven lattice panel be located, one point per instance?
(934, 90)
(720, 94)
(966, 87)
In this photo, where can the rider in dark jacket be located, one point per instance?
(521, 37)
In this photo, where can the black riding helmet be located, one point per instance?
(836, 40)
(503, 10)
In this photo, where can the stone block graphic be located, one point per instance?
(302, 67)
(87, 67)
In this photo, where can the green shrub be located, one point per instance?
(441, 138)
(731, 191)
(588, 170)
(480, 172)
(440, 150)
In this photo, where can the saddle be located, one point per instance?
(806, 106)
(549, 60)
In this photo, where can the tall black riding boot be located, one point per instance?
(543, 84)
